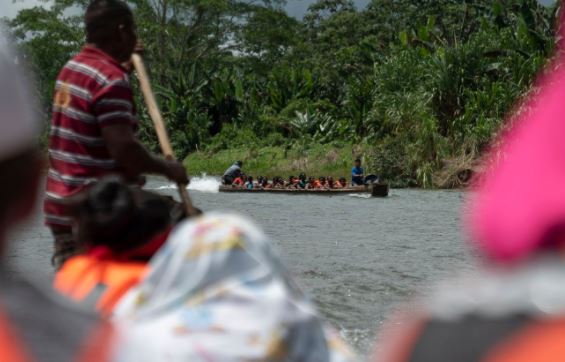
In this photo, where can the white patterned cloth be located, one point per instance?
(218, 292)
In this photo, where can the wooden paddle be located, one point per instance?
(160, 127)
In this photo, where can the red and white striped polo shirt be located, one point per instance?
(92, 91)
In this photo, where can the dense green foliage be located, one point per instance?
(423, 84)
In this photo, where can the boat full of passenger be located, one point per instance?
(374, 190)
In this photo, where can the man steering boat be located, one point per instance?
(232, 173)
(94, 122)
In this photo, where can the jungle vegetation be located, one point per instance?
(420, 86)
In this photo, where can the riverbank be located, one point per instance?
(317, 160)
(333, 160)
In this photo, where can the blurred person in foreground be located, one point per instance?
(94, 122)
(217, 291)
(513, 310)
(34, 325)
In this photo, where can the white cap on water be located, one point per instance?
(18, 124)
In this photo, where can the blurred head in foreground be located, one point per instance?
(217, 291)
(512, 309)
(19, 158)
(34, 325)
(518, 211)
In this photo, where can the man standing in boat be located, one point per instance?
(233, 172)
(357, 174)
(94, 123)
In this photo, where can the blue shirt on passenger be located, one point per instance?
(357, 176)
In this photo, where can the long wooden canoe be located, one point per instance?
(375, 190)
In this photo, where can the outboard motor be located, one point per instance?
(371, 179)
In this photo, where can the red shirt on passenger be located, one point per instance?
(92, 91)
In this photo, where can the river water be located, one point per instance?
(357, 257)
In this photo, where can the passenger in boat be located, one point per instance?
(221, 293)
(249, 184)
(357, 174)
(274, 183)
(239, 181)
(122, 227)
(290, 183)
(337, 184)
(317, 184)
(323, 183)
(311, 183)
(302, 182)
(342, 182)
(232, 173)
(293, 182)
(330, 182)
(278, 183)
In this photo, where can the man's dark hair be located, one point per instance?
(102, 17)
(358, 160)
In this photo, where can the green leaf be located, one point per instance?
(497, 8)
(403, 36)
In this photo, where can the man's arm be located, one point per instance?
(135, 159)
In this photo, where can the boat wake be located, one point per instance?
(207, 184)
(361, 196)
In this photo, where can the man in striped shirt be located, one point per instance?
(94, 120)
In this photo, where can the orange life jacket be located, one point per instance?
(99, 346)
(12, 349)
(539, 341)
(340, 185)
(238, 181)
(96, 282)
(100, 278)
(317, 184)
